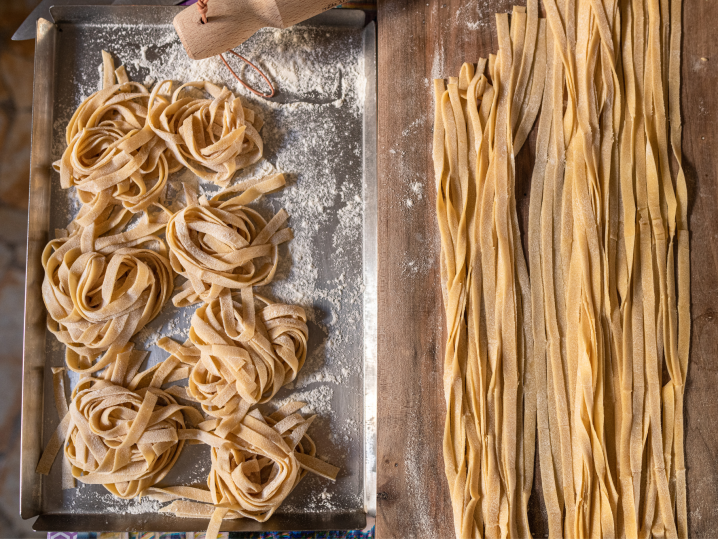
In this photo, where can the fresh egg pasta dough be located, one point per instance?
(123, 141)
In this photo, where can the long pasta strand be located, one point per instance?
(577, 350)
(489, 366)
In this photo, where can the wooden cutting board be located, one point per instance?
(423, 39)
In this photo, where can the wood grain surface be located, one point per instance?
(423, 39)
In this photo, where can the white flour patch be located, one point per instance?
(111, 504)
(438, 64)
(318, 400)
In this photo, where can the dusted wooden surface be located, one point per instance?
(423, 39)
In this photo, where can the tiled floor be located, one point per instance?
(16, 76)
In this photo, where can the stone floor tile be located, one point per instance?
(17, 74)
(12, 526)
(15, 163)
(12, 307)
(4, 125)
(7, 257)
(12, 291)
(19, 255)
(4, 94)
(14, 226)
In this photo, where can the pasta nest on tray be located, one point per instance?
(99, 292)
(214, 137)
(245, 358)
(254, 468)
(220, 244)
(124, 440)
(112, 154)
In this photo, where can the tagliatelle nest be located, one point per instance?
(254, 467)
(244, 359)
(112, 154)
(214, 137)
(124, 440)
(96, 301)
(220, 244)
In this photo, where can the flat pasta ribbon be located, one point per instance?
(214, 137)
(219, 244)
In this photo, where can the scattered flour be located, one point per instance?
(318, 400)
(108, 503)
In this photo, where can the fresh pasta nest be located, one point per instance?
(112, 155)
(220, 244)
(124, 440)
(96, 302)
(244, 358)
(214, 137)
(254, 468)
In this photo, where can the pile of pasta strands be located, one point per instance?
(219, 245)
(253, 470)
(104, 281)
(574, 345)
(99, 292)
(125, 440)
(244, 358)
(213, 138)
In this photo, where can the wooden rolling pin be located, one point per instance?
(231, 22)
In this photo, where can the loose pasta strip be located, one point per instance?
(255, 466)
(214, 137)
(224, 244)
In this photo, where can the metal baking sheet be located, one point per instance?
(325, 71)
